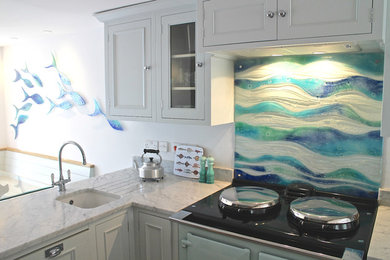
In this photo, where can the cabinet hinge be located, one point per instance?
(371, 15)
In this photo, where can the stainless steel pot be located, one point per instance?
(150, 169)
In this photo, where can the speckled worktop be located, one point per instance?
(380, 240)
(32, 219)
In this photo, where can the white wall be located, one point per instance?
(81, 58)
(3, 139)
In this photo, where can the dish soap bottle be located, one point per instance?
(202, 174)
(210, 170)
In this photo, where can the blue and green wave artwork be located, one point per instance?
(311, 119)
(65, 100)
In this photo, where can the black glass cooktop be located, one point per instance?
(277, 226)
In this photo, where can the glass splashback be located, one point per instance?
(311, 119)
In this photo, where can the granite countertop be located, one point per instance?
(27, 221)
(380, 240)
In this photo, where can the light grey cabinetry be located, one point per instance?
(112, 238)
(128, 69)
(153, 235)
(197, 243)
(75, 247)
(154, 71)
(182, 90)
(231, 21)
(226, 22)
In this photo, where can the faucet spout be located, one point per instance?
(61, 182)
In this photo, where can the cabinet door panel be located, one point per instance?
(316, 18)
(265, 256)
(74, 248)
(129, 91)
(232, 21)
(155, 238)
(112, 239)
(182, 81)
(203, 248)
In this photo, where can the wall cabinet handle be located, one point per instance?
(199, 64)
(270, 14)
(282, 13)
(147, 68)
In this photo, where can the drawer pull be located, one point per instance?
(54, 251)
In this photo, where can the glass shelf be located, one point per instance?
(182, 56)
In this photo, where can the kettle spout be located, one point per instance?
(135, 164)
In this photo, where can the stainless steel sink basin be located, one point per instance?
(87, 198)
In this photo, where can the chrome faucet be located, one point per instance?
(61, 182)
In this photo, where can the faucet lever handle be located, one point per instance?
(68, 174)
(52, 179)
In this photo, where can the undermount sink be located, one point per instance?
(87, 198)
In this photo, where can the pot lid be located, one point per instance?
(324, 210)
(249, 197)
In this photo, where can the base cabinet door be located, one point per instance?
(154, 237)
(76, 247)
(202, 248)
(112, 239)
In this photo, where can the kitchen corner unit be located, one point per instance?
(154, 71)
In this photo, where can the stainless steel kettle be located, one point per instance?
(150, 169)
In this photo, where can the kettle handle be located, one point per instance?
(151, 151)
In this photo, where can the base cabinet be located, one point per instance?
(105, 239)
(112, 238)
(196, 243)
(153, 234)
(76, 247)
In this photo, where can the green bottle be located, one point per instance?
(210, 170)
(202, 174)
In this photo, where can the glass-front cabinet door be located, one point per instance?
(182, 89)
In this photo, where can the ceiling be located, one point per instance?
(21, 20)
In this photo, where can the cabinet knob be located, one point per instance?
(147, 68)
(270, 14)
(199, 64)
(282, 13)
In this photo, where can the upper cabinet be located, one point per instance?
(182, 69)
(227, 22)
(231, 21)
(154, 71)
(129, 77)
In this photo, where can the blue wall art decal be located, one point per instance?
(311, 119)
(98, 111)
(66, 99)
